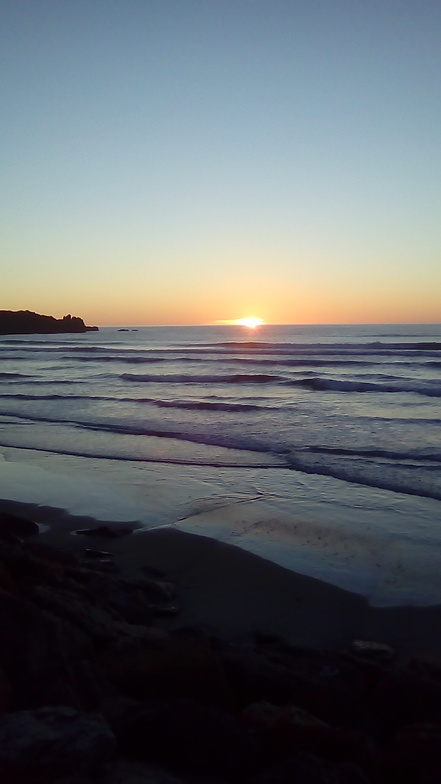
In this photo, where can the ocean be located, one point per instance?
(318, 447)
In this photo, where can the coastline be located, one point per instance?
(234, 594)
(382, 546)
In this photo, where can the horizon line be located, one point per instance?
(227, 323)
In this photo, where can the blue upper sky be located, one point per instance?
(183, 161)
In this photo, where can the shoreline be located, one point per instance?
(383, 547)
(234, 594)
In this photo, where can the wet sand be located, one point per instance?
(235, 594)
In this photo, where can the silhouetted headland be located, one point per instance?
(25, 322)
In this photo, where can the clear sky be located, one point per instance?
(188, 161)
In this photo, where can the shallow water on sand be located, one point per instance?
(382, 545)
(315, 446)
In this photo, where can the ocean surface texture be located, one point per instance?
(329, 424)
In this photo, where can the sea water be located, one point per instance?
(316, 446)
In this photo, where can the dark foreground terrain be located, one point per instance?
(94, 688)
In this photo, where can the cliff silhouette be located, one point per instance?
(25, 322)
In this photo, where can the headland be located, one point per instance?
(26, 322)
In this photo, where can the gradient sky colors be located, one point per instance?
(191, 161)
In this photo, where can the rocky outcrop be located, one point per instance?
(94, 689)
(38, 745)
(25, 322)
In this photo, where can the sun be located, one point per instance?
(249, 321)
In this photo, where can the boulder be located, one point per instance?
(45, 552)
(327, 685)
(5, 692)
(93, 619)
(132, 771)
(172, 666)
(307, 768)
(282, 731)
(20, 526)
(36, 650)
(403, 698)
(97, 553)
(414, 755)
(100, 696)
(192, 739)
(426, 664)
(374, 651)
(126, 598)
(7, 581)
(103, 565)
(26, 569)
(42, 745)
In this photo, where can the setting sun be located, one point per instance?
(250, 321)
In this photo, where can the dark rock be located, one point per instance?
(104, 565)
(98, 553)
(19, 526)
(152, 572)
(22, 322)
(307, 768)
(158, 592)
(41, 745)
(132, 604)
(414, 756)
(426, 664)
(132, 771)
(93, 619)
(105, 532)
(27, 570)
(282, 731)
(372, 671)
(79, 778)
(45, 552)
(7, 581)
(166, 611)
(81, 573)
(374, 651)
(10, 538)
(36, 651)
(100, 696)
(193, 739)
(403, 698)
(5, 692)
(325, 684)
(172, 666)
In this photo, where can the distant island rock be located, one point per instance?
(25, 322)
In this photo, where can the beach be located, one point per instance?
(163, 655)
(235, 594)
(287, 482)
(314, 447)
(220, 385)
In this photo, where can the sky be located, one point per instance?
(195, 161)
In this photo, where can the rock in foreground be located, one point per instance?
(39, 745)
(94, 689)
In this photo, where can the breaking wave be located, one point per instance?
(431, 389)
(177, 378)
